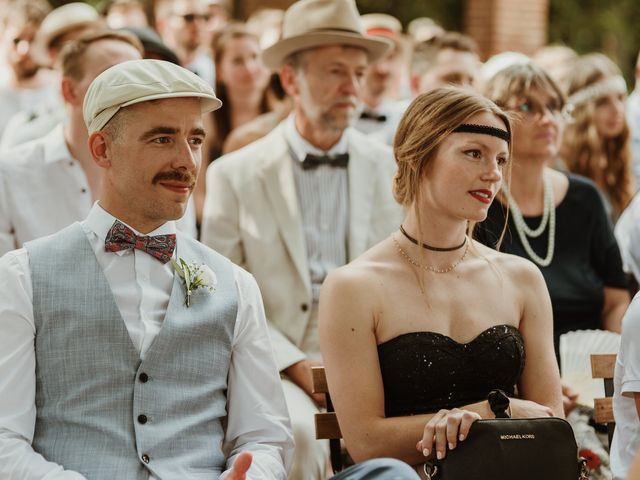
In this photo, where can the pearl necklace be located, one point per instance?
(548, 218)
(427, 267)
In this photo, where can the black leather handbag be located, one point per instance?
(512, 448)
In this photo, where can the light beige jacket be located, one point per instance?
(251, 215)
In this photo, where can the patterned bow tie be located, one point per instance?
(372, 116)
(121, 237)
(314, 161)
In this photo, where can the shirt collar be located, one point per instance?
(301, 147)
(55, 146)
(99, 221)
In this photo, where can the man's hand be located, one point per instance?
(300, 374)
(240, 467)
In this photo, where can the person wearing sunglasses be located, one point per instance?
(183, 26)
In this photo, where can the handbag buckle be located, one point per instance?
(584, 471)
(430, 470)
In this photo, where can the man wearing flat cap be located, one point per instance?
(127, 349)
(307, 198)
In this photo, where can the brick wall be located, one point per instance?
(501, 25)
(246, 7)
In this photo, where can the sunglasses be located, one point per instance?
(192, 17)
(536, 110)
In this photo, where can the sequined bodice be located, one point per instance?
(423, 372)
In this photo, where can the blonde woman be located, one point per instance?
(241, 84)
(596, 142)
(418, 330)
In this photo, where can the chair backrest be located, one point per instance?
(603, 366)
(327, 426)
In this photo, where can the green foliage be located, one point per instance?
(596, 25)
(448, 13)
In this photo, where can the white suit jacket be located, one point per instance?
(251, 215)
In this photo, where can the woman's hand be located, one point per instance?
(569, 398)
(528, 409)
(445, 429)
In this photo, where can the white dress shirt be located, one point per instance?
(627, 232)
(323, 199)
(626, 384)
(253, 382)
(44, 189)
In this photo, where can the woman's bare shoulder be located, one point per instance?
(516, 268)
(365, 273)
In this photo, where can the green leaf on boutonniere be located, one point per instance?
(194, 276)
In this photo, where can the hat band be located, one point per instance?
(484, 130)
(614, 84)
(332, 30)
(385, 32)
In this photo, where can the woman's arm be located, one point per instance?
(616, 301)
(540, 379)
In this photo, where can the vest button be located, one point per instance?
(145, 458)
(144, 378)
(304, 307)
(142, 419)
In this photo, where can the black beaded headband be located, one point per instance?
(484, 129)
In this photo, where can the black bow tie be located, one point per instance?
(314, 161)
(372, 116)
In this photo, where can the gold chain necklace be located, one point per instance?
(427, 267)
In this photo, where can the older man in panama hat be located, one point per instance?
(127, 349)
(307, 198)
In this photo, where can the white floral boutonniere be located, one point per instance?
(194, 277)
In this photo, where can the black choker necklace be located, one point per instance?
(429, 247)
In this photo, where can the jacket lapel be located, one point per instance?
(361, 190)
(278, 183)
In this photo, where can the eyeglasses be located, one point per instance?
(534, 110)
(192, 17)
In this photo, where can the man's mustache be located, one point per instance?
(176, 175)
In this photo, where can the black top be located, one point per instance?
(586, 257)
(423, 372)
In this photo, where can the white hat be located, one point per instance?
(381, 24)
(136, 81)
(59, 21)
(318, 23)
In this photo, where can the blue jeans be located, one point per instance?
(378, 469)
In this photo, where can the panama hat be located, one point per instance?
(58, 22)
(318, 23)
(137, 81)
(381, 24)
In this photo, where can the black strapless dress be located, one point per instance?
(423, 372)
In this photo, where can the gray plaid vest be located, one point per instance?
(101, 410)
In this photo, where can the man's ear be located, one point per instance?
(100, 148)
(289, 80)
(68, 90)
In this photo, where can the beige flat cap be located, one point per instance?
(136, 81)
(320, 23)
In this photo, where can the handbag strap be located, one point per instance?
(499, 403)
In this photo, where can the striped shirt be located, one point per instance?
(324, 206)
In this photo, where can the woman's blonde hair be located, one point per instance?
(606, 161)
(428, 121)
(514, 82)
(431, 118)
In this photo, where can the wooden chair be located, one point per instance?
(327, 427)
(603, 366)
